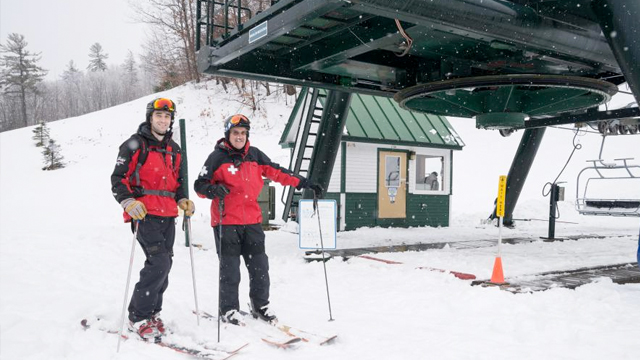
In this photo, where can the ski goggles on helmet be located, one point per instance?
(163, 104)
(238, 119)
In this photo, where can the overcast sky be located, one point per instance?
(64, 30)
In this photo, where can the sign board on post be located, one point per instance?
(310, 231)
(502, 190)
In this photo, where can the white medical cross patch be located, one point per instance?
(232, 169)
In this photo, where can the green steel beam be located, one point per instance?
(299, 102)
(277, 72)
(520, 166)
(620, 25)
(579, 118)
(334, 118)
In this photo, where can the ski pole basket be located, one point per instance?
(609, 189)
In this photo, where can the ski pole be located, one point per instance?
(126, 289)
(220, 209)
(187, 219)
(324, 264)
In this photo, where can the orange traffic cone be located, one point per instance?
(497, 277)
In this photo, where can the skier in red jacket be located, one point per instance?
(233, 173)
(146, 182)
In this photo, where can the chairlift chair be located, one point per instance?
(613, 174)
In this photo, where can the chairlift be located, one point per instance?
(623, 203)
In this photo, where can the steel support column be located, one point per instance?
(522, 161)
(334, 118)
(620, 25)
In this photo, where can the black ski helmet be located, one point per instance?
(237, 120)
(162, 104)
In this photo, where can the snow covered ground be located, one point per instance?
(64, 254)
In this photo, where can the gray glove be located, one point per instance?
(134, 208)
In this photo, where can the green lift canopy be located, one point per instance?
(380, 119)
(510, 64)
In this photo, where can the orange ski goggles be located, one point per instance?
(237, 119)
(163, 104)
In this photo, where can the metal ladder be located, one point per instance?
(303, 151)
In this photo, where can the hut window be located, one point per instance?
(429, 172)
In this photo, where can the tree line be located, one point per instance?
(168, 59)
(27, 98)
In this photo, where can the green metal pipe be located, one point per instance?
(184, 168)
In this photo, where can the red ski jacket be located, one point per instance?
(241, 171)
(157, 183)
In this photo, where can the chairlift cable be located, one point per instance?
(575, 147)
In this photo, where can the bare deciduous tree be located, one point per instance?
(170, 49)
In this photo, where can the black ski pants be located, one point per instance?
(246, 241)
(156, 236)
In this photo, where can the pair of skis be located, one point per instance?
(293, 336)
(205, 352)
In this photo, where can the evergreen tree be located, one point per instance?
(52, 156)
(130, 77)
(41, 134)
(71, 73)
(97, 58)
(72, 81)
(19, 72)
(130, 68)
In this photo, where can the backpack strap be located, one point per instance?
(142, 157)
(165, 152)
(159, 193)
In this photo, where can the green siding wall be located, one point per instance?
(360, 210)
(422, 210)
(429, 210)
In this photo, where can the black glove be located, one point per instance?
(217, 191)
(306, 184)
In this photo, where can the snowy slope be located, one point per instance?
(64, 255)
